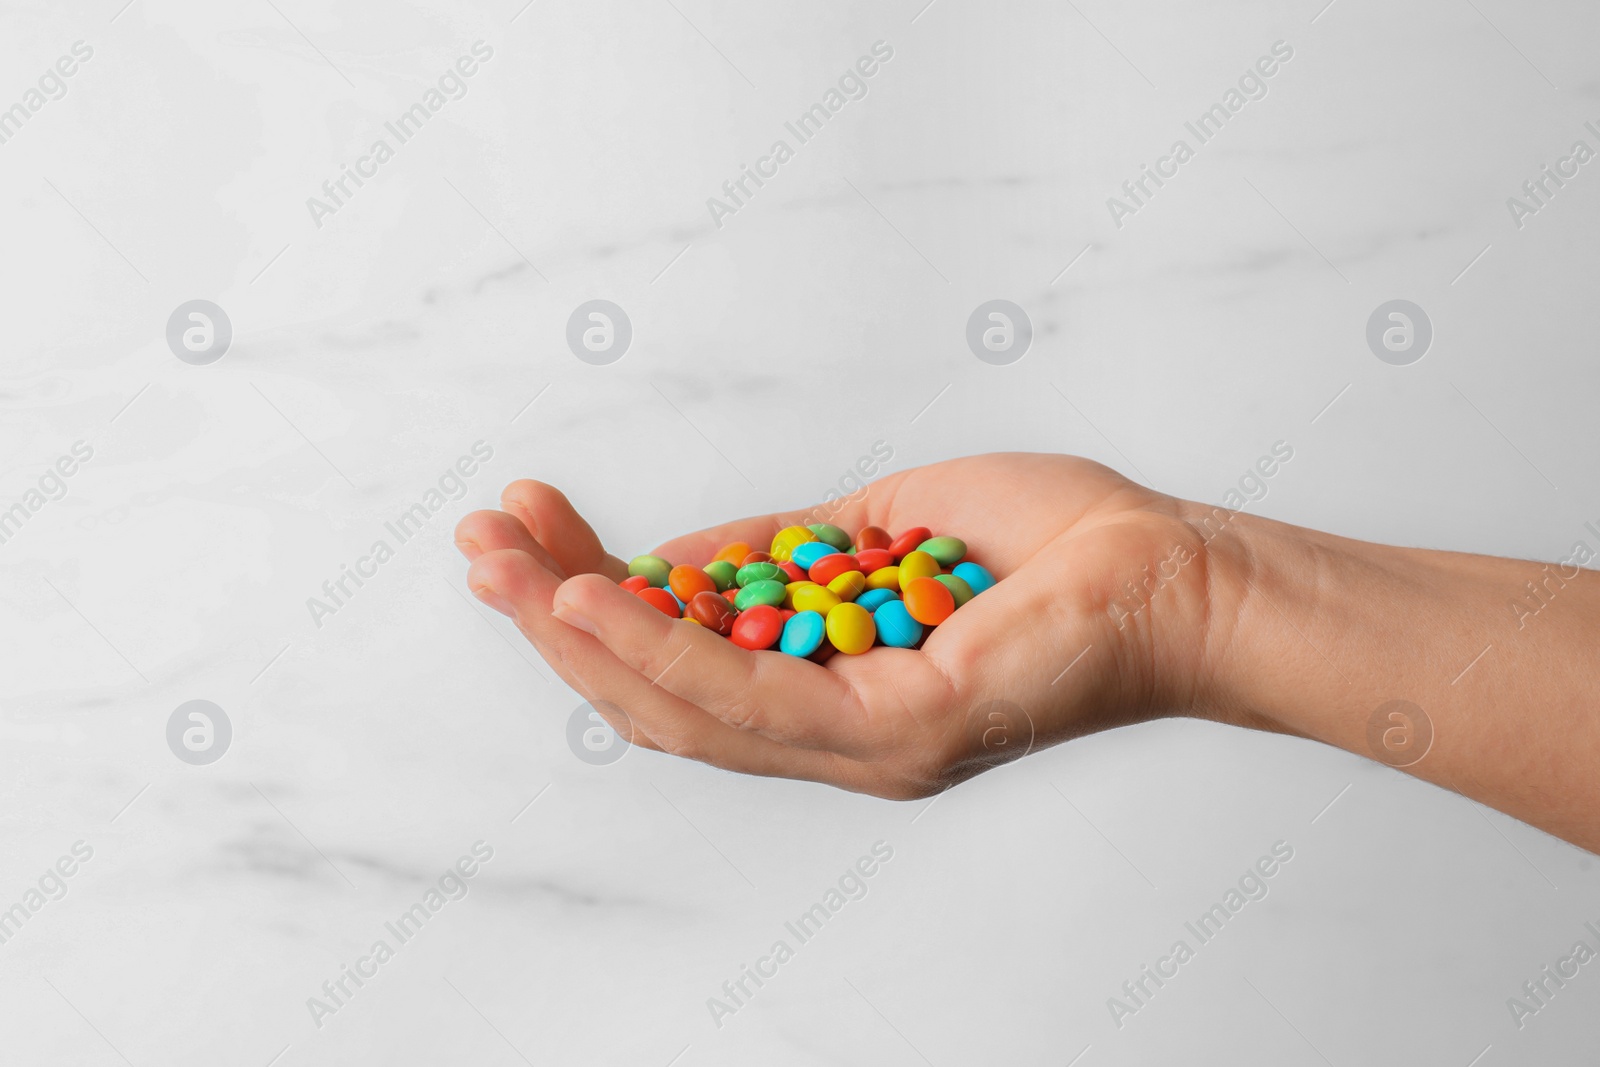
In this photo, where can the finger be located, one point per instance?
(556, 524)
(491, 531)
(484, 589)
(674, 725)
(785, 698)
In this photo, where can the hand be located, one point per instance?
(1042, 657)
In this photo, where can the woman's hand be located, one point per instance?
(1062, 646)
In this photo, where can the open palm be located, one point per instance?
(1061, 646)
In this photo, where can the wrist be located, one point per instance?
(1281, 601)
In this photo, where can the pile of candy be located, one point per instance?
(813, 592)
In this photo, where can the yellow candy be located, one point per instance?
(849, 585)
(691, 622)
(787, 538)
(813, 597)
(885, 578)
(789, 591)
(916, 565)
(850, 629)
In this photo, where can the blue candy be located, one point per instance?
(975, 575)
(873, 599)
(803, 633)
(896, 627)
(804, 555)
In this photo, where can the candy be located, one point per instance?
(957, 586)
(975, 575)
(817, 593)
(929, 601)
(848, 585)
(850, 629)
(908, 541)
(896, 627)
(789, 538)
(817, 598)
(802, 634)
(685, 580)
(873, 537)
(654, 569)
(723, 572)
(758, 628)
(830, 534)
(712, 611)
(916, 565)
(831, 566)
(947, 550)
(804, 556)
(662, 600)
(873, 599)
(874, 559)
(762, 592)
(759, 572)
(884, 578)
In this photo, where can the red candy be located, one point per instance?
(758, 627)
(635, 583)
(661, 600)
(761, 557)
(875, 559)
(712, 611)
(874, 537)
(831, 566)
(908, 541)
(793, 570)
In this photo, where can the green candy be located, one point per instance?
(947, 550)
(765, 591)
(958, 587)
(829, 534)
(653, 569)
(722, 572)
(751, 573)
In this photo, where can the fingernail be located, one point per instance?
(576, 619)
(494, 600)
(468, 546)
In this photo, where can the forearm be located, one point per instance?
(1313, 634)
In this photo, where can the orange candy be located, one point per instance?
(929, 601)
(873, 537)
(661, 600)
(733, 553)
(686, 581)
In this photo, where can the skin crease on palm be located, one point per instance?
(1250, 630)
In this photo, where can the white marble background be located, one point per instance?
(372, 751)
